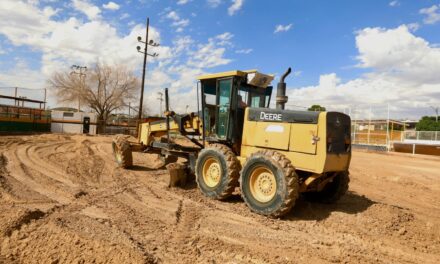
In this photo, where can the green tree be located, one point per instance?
(316, 108)
(428, 123)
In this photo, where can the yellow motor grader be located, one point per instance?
(272, 155)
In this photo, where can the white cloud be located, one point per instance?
(111, 6)
(178, 22)
(432, 14)
(398, 52)
(223, 39)
(403, 73)
(124, 16)
(244, 51)
(181, 23)
(296, 73)
(183, 2)
(413, 26)
(67, 42)
(235, 7)
(22, 76)
(91, 11)
(394, 3)
(282, 28)
(211, 54)
(173, 15)
(214, 3)
(48, 11)
(73, 41)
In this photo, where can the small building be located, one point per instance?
(377, 132)
(379, 125)
(73, 122)
(410, 124)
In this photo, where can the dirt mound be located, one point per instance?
(63, 199)
(85, 166)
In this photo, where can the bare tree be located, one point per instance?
(105, 89)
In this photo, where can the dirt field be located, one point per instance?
(63, 200)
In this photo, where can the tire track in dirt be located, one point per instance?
(27, 176)
(34, 161)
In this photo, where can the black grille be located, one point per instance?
(338, 132)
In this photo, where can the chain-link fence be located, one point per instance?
(8, 93)
(113, 130)
(427, 137)
(380, 126)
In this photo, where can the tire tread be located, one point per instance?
(121, 143)
(291, 181)
(232, 167)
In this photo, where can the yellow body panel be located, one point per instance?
(300, 161)
(302, 138)
(268, 135)
(305, 153)
(157, 129)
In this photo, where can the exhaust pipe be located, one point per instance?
(281, 91)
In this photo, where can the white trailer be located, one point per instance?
(73, 122)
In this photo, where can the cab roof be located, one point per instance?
(225, 74)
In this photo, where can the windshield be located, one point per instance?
(253, 96)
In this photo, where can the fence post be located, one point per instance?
(414, 149)
(436, 132)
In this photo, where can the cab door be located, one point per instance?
(224, 92)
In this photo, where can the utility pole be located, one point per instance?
(369, 126)
(436, 109)
(147, 43)
(79, 70)
(45, 98)
(17, 103)
(160, 98)
(388, 128)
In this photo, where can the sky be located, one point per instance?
(361, 57)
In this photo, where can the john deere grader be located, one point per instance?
(272, 155)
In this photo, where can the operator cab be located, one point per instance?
(224, 98)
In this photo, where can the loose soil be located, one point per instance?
(63, 200)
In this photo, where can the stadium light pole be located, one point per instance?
(79, 70)
(147, 42)
(160, 98)
(436, 112)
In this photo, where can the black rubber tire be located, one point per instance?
(285, 176)
(122, 146)
(332, 192)
(230, 171)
